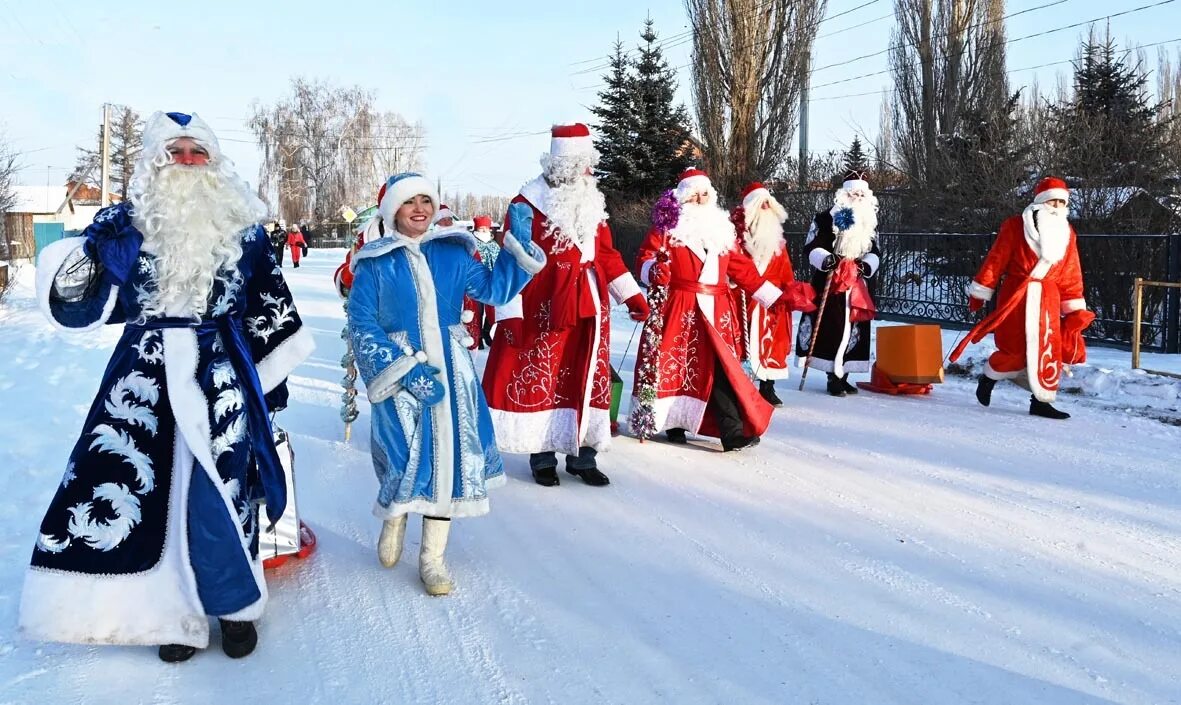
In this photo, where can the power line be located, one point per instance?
(1018, 39)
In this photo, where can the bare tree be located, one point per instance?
(126, 143)
(9, 166)
(397, 145)
(750, 61)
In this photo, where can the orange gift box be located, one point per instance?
(910, 354)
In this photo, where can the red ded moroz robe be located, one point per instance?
(701, 329)
(550, 390)
(768, 331)
(1034, 296)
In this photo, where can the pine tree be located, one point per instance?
(1109, 133)
(662, 127)
(855, 159)
(616, 130)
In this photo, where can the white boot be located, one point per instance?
(389, 546)
(430, 562)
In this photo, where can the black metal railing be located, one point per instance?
(923, 277)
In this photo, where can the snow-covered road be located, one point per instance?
(872, 550)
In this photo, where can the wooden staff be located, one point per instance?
(816, 328)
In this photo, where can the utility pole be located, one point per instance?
(106, 157)
(805, 81)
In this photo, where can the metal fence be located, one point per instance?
(923, 277)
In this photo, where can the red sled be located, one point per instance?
(880, 383)
(307, 546)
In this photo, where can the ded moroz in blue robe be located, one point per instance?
(406, 305)
(154, 525)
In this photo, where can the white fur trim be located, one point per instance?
(191, 410)
(467, 316)
(872, 260)
(536, 192)
(978, 291)
(817, 363)
(384, 385)
(530, 258)
(513, 309)
(161, 130)
(49, 262)
(1072, 305)
(623, 287)
(552, 430)
(1052, 193)
(755, 197)
(401, 192)
(856, 185)
(817, 256)
(695, 184)
(767, 294)
(588, 382)
(681, 411)
(765, 374)
(1033, 316)
(991, 373)
(448, 508)
(569, 146)
(158, 606)
(645, 270)
(280, 362)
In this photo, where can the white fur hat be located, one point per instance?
(400, 188)
(161, 129)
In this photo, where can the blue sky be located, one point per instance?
(486, 79)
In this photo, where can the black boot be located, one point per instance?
(591, 476)
(175, 653)
(849, 388)
(238, 639)
(1043, 409)
(767, 391)
(739, 442)
(546, 477)
(984, 390)
(676, 435)
(836, 386)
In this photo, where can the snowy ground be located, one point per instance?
(872, 550)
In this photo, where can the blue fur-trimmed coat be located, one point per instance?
(406, 305)
(154, 525)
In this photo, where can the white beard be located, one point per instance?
(575, 208)
(192, 220)
(858, 240)
(483, 235)
(1051, 236)
(764, 237)
(705, 226)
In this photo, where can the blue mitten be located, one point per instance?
(420, 381)
(112, 241)
(520, 222)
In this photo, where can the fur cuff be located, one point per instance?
(872, 260)
(767, 294)
(512, 309)
(276, 366)
(817, 256)
(384, 385)
(645, 269)
(1072, 305)
(530, 257)
(979, 291)
(623, 287)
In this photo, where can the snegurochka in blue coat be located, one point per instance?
(433, 446)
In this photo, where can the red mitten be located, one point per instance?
(1074, 348)
(975, 304)
(798, 296)
(660, 274)
(513, 330)
(638, 306)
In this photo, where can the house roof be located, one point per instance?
(38, 199)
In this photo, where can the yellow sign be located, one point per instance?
(348, 214)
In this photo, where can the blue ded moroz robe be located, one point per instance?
(154, 525)
(406, 306)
